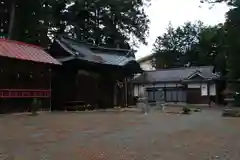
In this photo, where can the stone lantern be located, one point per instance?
(229, 96)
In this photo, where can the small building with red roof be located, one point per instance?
(25, 73)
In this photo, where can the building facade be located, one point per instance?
(25, 74)
(194, 85)
(91, 75)
(146, 63)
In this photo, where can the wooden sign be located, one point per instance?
(24, 93)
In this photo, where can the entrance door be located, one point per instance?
(194, 97)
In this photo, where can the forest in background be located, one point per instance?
(108, 23)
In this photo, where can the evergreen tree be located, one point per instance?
(232, 28)
(189, 45)
(106, 22)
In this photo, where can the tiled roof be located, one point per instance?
(115, 59)
(176, 74)
(82, 51)
(22, 51)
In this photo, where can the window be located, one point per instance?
(175, 95)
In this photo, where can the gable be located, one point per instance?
(179, 74)
(196, 77)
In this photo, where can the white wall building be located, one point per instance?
(195, 85)
(146, 63)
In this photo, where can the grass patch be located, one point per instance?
(186, 110)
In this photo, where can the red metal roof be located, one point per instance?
(23, 51)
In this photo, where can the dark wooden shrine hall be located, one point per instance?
(91, 75)
(25, 73)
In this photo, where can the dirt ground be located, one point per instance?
(120, 136)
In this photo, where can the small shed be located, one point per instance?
(194, 85)
(25, 73)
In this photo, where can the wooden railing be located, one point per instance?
(25, 93)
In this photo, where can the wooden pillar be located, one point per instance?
(50, 88)
(115, 92)
(186, 91)
(154, 92)
(217, 92)
(208, 92)
(130, 92)
(138, 90)
(126, 92)
(177, 93)
(165, 94)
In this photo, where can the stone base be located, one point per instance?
(231, 112)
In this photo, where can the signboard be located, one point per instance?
(204, 90)
(24, 93)
(212, 90)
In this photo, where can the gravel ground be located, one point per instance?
(120, 136)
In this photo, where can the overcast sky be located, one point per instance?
(161, 12)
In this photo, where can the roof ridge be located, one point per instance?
(91, 46)
(20, 43)
(179, 68)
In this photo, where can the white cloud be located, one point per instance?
(161, 12)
